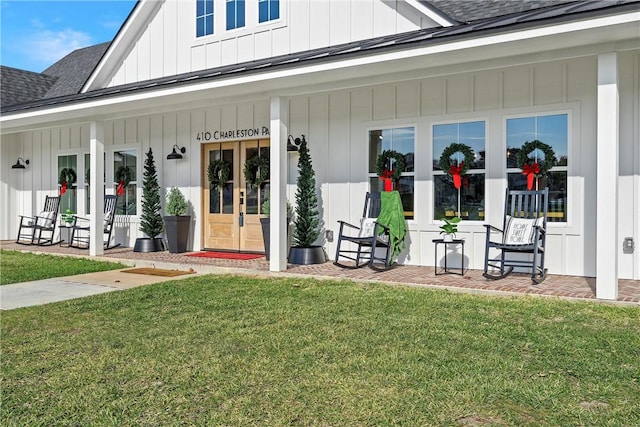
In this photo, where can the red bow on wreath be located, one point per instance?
(63, 187)
(120, 189)
(455, 172)
(386, 177)
(530, 171)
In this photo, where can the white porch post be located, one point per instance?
(607, 180)
(96, 189)
(278, 166)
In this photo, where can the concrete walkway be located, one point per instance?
(46, 291)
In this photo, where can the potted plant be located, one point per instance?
(449, 228)
(176, 223)
(306, 222)
(265, 222)
(150, 220)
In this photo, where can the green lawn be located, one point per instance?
(17, 267)
(224, 350)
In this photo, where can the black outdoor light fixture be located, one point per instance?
(19, 165)
(174, 155)
(293, 144)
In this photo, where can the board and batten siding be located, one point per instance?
(168, 45)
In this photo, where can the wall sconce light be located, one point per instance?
(19, 165)
(174, 155)
(293, 144)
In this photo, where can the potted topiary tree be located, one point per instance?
(306, 222)
(177, 224)
(150, 220)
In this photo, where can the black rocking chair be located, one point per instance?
(369, 237)
(80, 230)
(31, 227)
(524, 231)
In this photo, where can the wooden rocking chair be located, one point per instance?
(80, 230)
(524, 231)
(31, 227)
(369, 237)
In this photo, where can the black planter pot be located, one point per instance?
(145, 244)
(177, 231)
(266, 235)
(307, 255)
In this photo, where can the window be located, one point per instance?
(401, 140)
(204, 17)
(68, 183)
(235, 14)
(268, 10)
(124, 169)
(551, 130)
(470, 197)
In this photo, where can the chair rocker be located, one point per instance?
(524, 231)
(31, 227)
(368, 238)
(81, 230)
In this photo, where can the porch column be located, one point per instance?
(607, 180)
(278, 167)
(96, 189)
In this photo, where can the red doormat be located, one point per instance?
(225, 255)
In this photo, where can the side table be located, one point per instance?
(65, 234)
(446, 251)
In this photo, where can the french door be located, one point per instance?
(233, 207)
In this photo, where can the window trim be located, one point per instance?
(195, 21)
(575, 186)
(372, 126)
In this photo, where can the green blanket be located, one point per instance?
(392, 215)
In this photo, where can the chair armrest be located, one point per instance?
(490, 227)
(343, 223)
(385, 228)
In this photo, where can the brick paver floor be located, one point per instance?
(554, 285)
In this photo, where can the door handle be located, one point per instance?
(241, 219)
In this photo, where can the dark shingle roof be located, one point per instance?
(74, 69)
(474, 10)
(20, 86)
(552, 14)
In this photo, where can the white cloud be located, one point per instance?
(49, 46)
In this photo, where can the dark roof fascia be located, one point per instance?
(384, 44)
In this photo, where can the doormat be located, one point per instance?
(157, 272)
(226, 255)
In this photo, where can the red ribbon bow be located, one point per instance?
(530, 171)
(386, 177)
(455, 172)
(120, 189)
(63, 188)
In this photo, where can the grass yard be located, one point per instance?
(17, 267)
(225, 350)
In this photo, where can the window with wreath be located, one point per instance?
(68, 183)
(204, 17)
(537, 157)
(125, 174)
(399, 141)
(459, 170)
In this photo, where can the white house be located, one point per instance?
(231, 79)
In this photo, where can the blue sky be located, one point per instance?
(35, 34)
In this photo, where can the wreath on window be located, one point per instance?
(456, 171)
(67, 177)
(218, 172)
(533, 168)
(123, 176)
(256, 170)
(383, 163)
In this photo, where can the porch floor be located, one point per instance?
(472, 281)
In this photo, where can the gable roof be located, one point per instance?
(20, 86)
(466, 11)
(559, 11)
